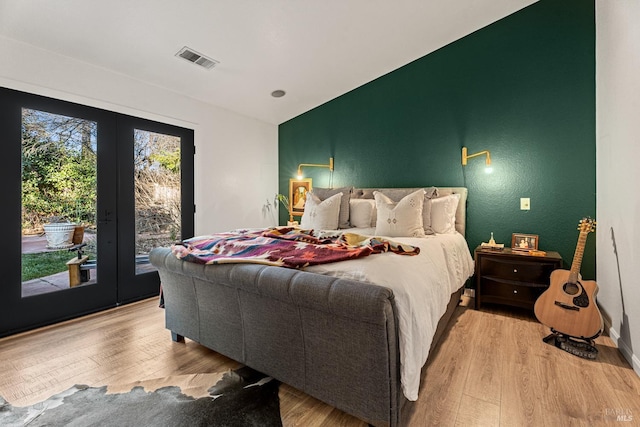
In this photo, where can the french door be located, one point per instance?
(155, 197)
(86, 194)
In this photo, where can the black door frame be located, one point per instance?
(19, 314)
(133, 287)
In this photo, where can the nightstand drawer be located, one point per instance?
(517, 270)
(500, 292)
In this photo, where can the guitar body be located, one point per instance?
(569, 306)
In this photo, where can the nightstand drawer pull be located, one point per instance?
(515, 291)
(515, 270)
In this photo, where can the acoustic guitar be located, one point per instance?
(568, 306)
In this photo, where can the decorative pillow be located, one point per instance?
(361, 213)
(325, 193)
(397, 194)
(443, 214)
(402, 219)
(321, 214)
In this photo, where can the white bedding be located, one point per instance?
(422, 287)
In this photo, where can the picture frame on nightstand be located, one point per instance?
(524, 242)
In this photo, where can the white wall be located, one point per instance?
(236, 164)
(617, 176)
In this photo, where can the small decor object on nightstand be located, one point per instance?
(524, 242)
(492, 245)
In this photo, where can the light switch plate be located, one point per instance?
(525, 203)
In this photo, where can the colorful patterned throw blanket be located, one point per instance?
(284, 247)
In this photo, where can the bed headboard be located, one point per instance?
(396, 194)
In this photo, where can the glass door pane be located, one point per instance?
(59, 193)
(155, 199)
(157, 193)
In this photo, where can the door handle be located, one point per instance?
(106, 217)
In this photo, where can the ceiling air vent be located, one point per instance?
(197, 58)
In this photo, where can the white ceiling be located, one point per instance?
(315, 50)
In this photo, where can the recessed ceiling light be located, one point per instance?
(278, 93)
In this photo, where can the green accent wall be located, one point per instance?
(522, 87)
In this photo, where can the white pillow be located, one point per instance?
(321, 215)
(361, 213)
(443, 214)
(402, 219)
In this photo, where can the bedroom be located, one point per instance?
(595, 119)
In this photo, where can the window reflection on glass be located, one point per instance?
(58, 202)
(157, 193)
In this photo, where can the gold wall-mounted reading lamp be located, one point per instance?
(314, 165)
(466, 157)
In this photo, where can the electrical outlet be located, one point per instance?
(525, 203)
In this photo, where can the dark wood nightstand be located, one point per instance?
(512, 277)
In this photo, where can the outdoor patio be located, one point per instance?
(52, 283)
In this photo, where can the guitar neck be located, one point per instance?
(577, 257)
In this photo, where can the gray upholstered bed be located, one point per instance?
(333, 338)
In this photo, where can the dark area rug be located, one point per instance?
(243, 397)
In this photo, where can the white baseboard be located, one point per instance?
(624, 349)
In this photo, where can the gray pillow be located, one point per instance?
(325, 193)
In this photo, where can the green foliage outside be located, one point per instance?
(59, 183)
(58, 169)
(169, 160)
(157, 189)
(46, 263)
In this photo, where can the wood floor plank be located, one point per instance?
(477, 412)
(306, 411)
(337, 418)
(523, 389)
(484, 378)
(443, 380)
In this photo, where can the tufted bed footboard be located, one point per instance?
(334, 339)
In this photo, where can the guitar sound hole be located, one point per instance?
(571, 288)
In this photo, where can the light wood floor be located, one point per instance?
(492, 369)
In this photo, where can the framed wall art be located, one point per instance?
(524, 242)
(298, 189)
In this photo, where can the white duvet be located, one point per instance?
(422, 286)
